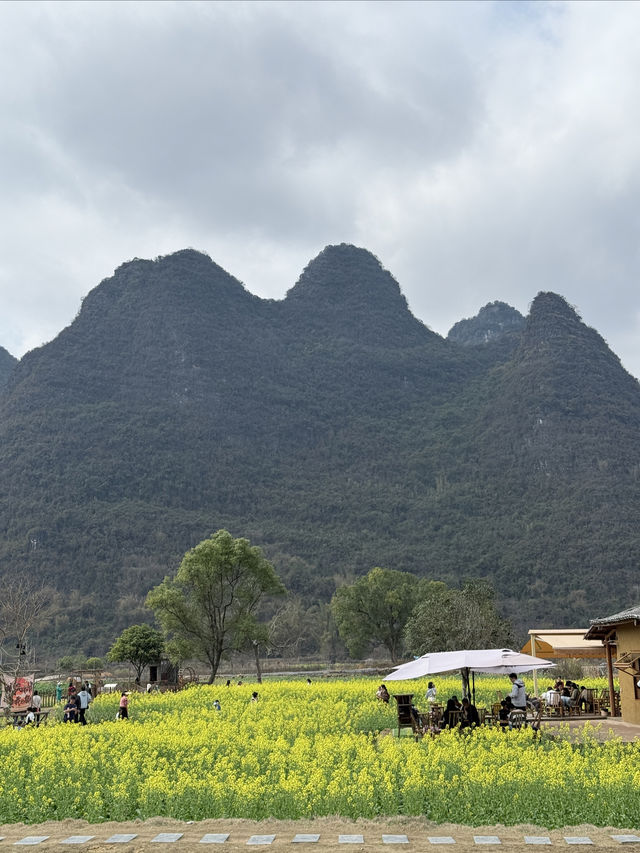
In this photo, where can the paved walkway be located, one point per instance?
(508, 838)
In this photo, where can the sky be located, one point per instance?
(481, 150)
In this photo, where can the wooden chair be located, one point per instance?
(536, 719)
(406, 716)
(592, 702)
(517, 719)
(554, 706)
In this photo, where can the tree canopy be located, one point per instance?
(139, 645)
(446, 619)
(374, 610)
(210, 606)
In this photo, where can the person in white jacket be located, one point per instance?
(518, 694)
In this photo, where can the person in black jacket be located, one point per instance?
(470, 716)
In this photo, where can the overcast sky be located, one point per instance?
(481, 150)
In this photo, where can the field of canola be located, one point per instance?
(303, 751)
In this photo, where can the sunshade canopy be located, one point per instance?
(563, 643)
(501, 661)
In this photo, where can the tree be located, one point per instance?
(375, 610)
(24, 607)
(139, 645)
(446, 619)
(210, 606)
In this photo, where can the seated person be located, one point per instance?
(383, 694)
(586, 700)
(506, 707)
(469, 715)
(451, 717)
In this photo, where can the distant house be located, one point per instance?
(622, 633)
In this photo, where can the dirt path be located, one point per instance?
(420, 835)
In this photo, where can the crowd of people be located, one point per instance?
(512, 711)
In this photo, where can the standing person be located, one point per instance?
(70, 710)
(59, 691)
(36, 704)
(518, 694)
(431, 692)
(124, 706)
(84, 697)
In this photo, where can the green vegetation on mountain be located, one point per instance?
(7, 364)
(331, 428)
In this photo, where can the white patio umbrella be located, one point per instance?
(468, 661)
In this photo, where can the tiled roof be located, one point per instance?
(623, 616)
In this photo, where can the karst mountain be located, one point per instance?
(332, 428)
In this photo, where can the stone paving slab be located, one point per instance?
(350, 839)
(537, 839)
(395, 839)
(77, 839)
(214, 838)
(261, 839)
(306, 838)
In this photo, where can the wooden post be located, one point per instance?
(612, 692)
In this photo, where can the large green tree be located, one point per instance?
(139, 645)
(210, 606)
(374, 610)
(446, 619)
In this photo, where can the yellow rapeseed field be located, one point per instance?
(305, 750)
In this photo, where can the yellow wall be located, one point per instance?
(628, 641)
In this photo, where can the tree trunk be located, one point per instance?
(256, 648)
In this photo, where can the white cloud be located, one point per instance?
(482, 150)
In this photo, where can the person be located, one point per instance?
(71, 690)
(451, 712)
(59, 691)
(30, 719)
(84, 698)
(586, 699)
(216, 705)
(254, 696)
(70, 710)
(503, 714)
(228, 684)
(149, 687)
(90, 689)
(36, 704)
(469, 716)
(308, 681)
(518, 694)
(382, 694)
(431, 692)
(124, 706)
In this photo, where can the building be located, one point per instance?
(620, 635)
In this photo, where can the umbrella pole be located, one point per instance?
(473, 682)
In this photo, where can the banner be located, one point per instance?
(19, 691)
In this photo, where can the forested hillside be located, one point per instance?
(333, 429)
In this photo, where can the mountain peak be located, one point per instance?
(491, 323)
(347, 289)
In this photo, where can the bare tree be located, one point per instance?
(23, 607)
